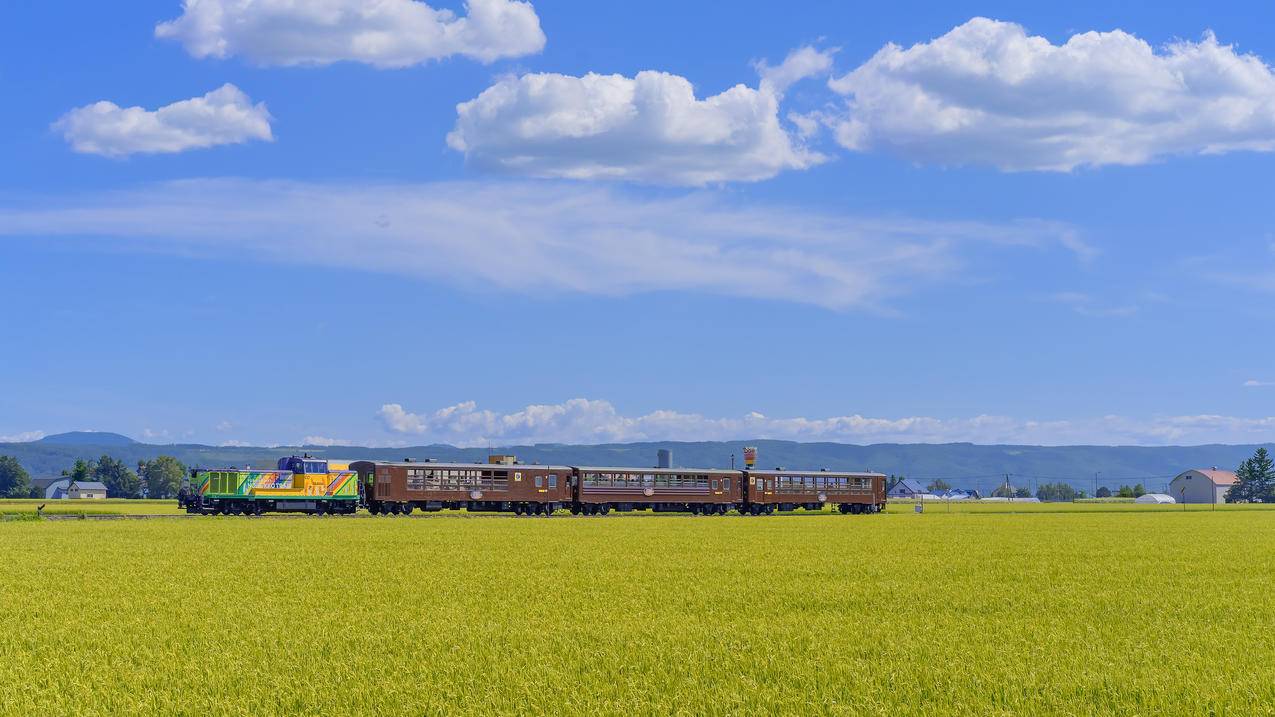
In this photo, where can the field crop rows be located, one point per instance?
(1066, 613)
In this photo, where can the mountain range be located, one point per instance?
(960, 464)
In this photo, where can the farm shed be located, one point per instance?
(51, 488)
(1202, 485)
(1154, 498)
(905, 488)
(86, 489)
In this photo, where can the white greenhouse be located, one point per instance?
(1154, 498)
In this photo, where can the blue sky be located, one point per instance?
(515, 222)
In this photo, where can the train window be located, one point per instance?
(553, 480)
(716, 485)
(726, 484)
(540, 481)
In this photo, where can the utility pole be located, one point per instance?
(1095, 483)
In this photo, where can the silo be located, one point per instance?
(665, 458)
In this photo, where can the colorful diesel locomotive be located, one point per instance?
(298, 484)
(398, 488)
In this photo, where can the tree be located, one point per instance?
(1004, 490)
(1139, 491)
(1104, 492)
(1255, 480)
(119, 480)
(162, 476)
(1125, 492)
(939, 486)
(14, 481)
(1056, 492)
(82, 471)
(1022, 493)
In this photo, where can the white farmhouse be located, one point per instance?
(1202, 485)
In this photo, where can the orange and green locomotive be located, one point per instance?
(299, 484)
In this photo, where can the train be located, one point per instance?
(302, 484)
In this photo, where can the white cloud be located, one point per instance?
(1254, 383)
(224, 426)
(647, 128)
(801, 63)
(382, 33)
(325, 441)
(224, 116)
(23, 437)
(151, 434)
(589, 421)
(573, 238)
(988, 93)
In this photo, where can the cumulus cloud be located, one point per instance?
(382, 33)
(23, 437)
(647, 128)
(593, 421)
(989, 93)
(573, 238)
(224, 116)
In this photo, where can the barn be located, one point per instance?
(86, 489)
(1202, 485)
(906, 489)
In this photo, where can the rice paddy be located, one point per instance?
(1089, 612)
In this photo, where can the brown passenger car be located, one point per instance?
(767, 491)
(697, 490)
(393, 488)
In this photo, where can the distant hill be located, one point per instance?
(88, 438)
(964, 465)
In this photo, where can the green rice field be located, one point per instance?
(1099, 610)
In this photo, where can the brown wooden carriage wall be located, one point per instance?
(766, 491)
(401, 487)
(696, 490)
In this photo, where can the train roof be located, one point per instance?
(811, 472)
(632, 469)
(466, 466)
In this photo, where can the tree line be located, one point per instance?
(1255, 480)
(157, 478)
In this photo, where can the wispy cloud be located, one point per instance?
(1087, 305)
(23, 437)
(594, 421)
(1254, 383)
(325, 441)
(573, 238)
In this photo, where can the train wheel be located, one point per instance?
(606, 508)
(407, 508)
